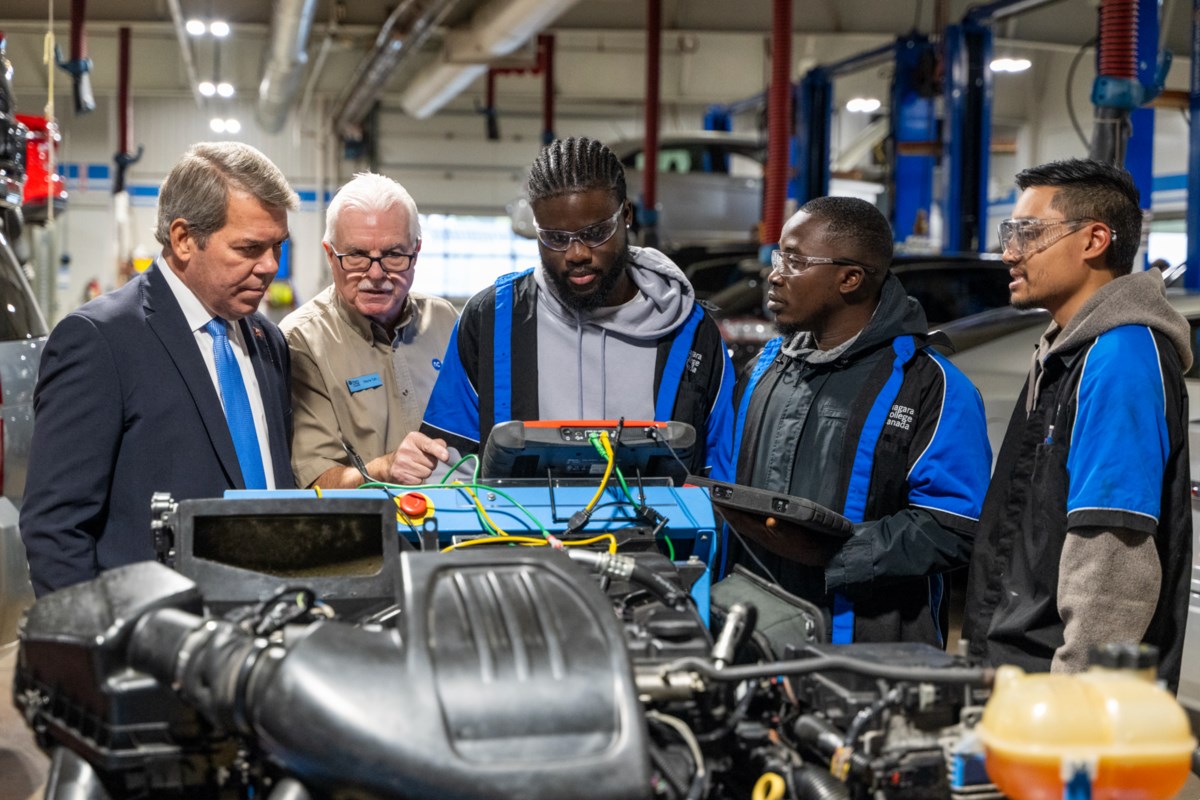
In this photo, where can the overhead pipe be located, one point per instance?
(545, 43)
(543, 66)
(403, 33)
(79, 66)
(124, 157)
(1116, 73)
(496, 30)
(284, 61)
(648, 212)
(779, 114)
(185, 51)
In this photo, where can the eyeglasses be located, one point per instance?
(392, 263)
(593, 235)
(789, 264)
(1027, 236)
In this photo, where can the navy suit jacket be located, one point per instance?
(124, 408)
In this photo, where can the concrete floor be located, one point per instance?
(23, 766)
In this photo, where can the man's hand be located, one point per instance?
(416, 457)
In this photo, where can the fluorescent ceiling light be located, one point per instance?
(232, 126)
(207, 88)
(225, 89)
(195, 27)
(219, 28)
(217, 124)
(1011, 64)
(863, 105)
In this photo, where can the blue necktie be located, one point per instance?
(237, 407)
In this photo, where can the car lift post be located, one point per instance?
(967, 131)
(914, 128)
(814, 115)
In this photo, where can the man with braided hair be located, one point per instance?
(600, 330)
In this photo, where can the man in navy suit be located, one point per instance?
(136, 393)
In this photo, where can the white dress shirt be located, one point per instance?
(197, 317)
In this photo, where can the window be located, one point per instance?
(461, 254)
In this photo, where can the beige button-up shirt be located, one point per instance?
(349, 380)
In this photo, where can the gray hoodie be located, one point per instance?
(601, 359)
(1137, 299)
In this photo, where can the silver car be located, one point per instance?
(709, 189)
(22, 337)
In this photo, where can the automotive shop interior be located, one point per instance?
(319, 483)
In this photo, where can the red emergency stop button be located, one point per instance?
(414, 504)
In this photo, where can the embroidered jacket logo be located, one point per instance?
(901, 417)
(693, 362)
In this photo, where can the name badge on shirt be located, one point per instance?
(364, 382)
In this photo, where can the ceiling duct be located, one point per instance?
(496, 30)
(284, 61)
(402, 34)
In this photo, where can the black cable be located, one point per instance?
(1070, 83)
(658, 437)
(770, 576)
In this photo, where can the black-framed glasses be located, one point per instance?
(591, 236)
(1027, 235)
(392, 263)
(789, 264)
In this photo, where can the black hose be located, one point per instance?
(822, 663)
(813, 783)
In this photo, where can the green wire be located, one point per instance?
(595, 440)
(473, 485)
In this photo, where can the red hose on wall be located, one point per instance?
(779, 117)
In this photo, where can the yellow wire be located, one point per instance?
(317, 489)
(483, 511)
(612, 541)
(505, 539)
(533, 541)
(612, 462)
(769, 786)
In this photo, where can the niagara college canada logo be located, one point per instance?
(901, 417)
(437, 364)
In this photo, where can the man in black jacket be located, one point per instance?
(1086, 533)
(851, 409)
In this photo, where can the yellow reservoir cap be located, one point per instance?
(1133, 737)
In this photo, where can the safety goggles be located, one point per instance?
(1027, 236)
(789, 264)
(592, 236)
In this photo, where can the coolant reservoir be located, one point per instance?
(1106, 734)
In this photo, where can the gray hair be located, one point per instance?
(368, 191)
(197, 188)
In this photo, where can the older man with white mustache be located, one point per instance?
(366, 351)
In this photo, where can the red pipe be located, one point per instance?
(78, 37)
(650, 146)
(546, 65)
(1116, 55)
(124, 138)
(779, 115)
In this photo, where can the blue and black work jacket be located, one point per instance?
(1103, 446)
(894, 437)
(491, 374)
